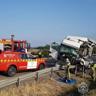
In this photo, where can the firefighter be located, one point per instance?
(93, 73)
(82, 62)
(80, 65)
(68, 68)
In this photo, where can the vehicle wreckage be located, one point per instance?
(74, 48)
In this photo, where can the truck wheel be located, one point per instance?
(41, 67)
(11, 71)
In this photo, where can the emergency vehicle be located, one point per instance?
(11, 62)
(13, 45)
(13, 57)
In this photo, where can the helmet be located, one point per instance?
(67, 60)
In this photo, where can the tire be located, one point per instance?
(11, 71)
(41, 67)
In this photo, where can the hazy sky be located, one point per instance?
(43, 21)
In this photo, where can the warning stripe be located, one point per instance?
(16, 60)
(5, 42)
(40, 60)
(9, 60)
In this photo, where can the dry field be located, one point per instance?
(49, 87)
(44, 88)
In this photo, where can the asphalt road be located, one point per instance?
(4, 76)
(50, 63)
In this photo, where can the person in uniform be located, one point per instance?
(93, 72)
(68, 68)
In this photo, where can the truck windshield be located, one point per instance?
(67, 49)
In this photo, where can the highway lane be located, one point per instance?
(4, 76)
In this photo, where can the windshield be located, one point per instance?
(67, 49)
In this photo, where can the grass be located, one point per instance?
(44, 88)
(49, 87)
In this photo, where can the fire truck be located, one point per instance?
(13, 45)
(14, 57)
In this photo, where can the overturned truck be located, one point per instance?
(73, 48)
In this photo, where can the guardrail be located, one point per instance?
(36, 75)
(17, 80)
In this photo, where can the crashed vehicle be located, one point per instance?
(73, 48)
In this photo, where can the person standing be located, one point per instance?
(93, 73)
(68, 63)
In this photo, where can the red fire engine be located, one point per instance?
(13, 45)
(12, 59)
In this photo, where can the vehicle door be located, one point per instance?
(32, 63)
(23, 61)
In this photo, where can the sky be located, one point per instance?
(41, 22)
